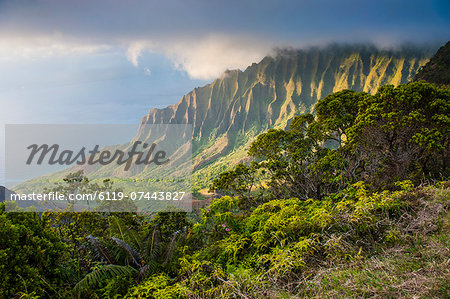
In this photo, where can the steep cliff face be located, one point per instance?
(230, 111)
(437, 70)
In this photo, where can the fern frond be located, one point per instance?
(135, 256)
(100, 248)
(152, 241)
(99, 275)
(171, 247)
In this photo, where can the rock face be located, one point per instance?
(228, 113)
(437, 70)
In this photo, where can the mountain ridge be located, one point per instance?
(228, 112)
(437, 70)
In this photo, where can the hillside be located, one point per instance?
(437, 70)
(228, 113)
(366, 218)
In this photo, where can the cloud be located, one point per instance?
(211, 56)
(45, 46)
(135, 50)
(200, 57)
(208, 57)
(204, 38)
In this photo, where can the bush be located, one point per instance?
(30, 255)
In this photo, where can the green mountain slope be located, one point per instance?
(437, 70)
(233, 109)
(227, 114)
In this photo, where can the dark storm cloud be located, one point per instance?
(204, 38)
(106, 20)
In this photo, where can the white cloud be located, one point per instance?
(200, 57)
(44, 46)
(205, 58)
(135, 50)
(210, 57)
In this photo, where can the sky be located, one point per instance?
(110, 61)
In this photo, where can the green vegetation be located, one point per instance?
(437, 70)
(30, 255)
(230, 112)
(352, 201)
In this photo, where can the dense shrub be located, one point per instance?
(285, 241)
(30, 256)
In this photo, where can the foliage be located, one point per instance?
(336, 114)
(289, 158)
(102, 274)
(335, 197)
(157, 286)
(284, 244)
(403, 133)
(437, 70)
(30, 255)
(133, 254)
(239, 181)
(400, 133)
(295, 229)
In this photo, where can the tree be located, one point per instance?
(240, 182)
(288, 158)
(403, 133)
(336, 113)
